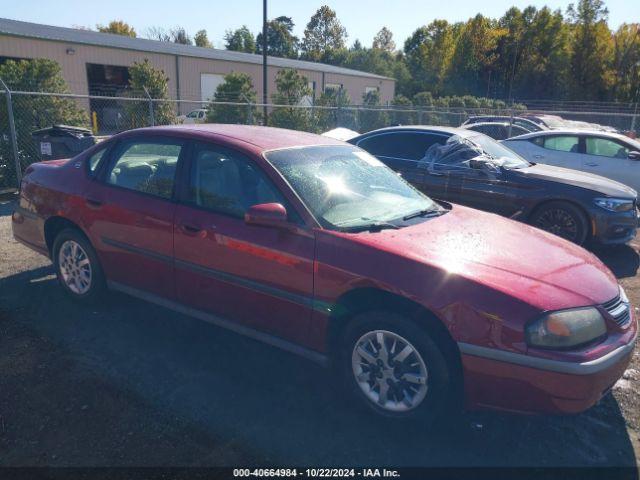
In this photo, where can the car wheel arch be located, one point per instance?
(56, 224)
(364, 299)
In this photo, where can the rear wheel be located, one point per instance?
(77, 266)
(394, 368)
(562, 219)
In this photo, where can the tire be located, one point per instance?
(79, 274)
(428, 400)
(562, 219)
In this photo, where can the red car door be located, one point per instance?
(130, 213)
(257, 276)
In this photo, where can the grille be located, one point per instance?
(619, 310)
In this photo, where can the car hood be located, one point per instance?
(576, 178)
(521, 261)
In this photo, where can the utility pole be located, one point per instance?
(264, 61)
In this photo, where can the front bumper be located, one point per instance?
(508, 381)
(613, 227)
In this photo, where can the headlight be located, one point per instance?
(614, 204)
(566, 328)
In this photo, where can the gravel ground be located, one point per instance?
(132, 384)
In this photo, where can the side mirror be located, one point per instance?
(272, 215)
(634, 155)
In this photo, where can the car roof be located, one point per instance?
(463, 132)
(470, 126)
(264, 138)
(573, 131)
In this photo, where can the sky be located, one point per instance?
(362, 18)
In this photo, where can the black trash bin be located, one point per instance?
(62, 141)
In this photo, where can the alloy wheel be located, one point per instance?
(75, 267)
(559, 222)
(389, 370)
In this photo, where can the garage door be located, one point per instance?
(208, 84)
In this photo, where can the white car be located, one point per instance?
(607, 154)
(195, 116)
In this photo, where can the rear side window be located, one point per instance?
(403, 145)
(562, 143)
(146, 166)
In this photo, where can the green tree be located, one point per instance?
(280, 39)
(337, 114)
(201, 39)
(324, 32)
(626, 62)
(428, 52)
(240, 40)
(118, 27)
(237, 87)
(143, 75)
(474, 57)
(32, 112)
(372, 116)
(402, 113)
(384, 40)
(592, 50)
(291, 88)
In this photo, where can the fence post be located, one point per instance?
(12, 132)
(151, 118)
(510, 121)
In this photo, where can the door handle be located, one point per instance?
(591, 164)
(538, 156)
(436, 174)
(93, 203)
(190, 229)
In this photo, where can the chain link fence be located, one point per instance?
(23, 113)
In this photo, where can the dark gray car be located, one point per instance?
(469, 168)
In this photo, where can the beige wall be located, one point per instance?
(75, 72)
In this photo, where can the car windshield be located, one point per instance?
(498, 153)
(346, 188)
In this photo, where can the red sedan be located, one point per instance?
(314, 246)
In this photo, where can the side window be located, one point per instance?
(226, 182)
(146, 166)
(402, 145)
(605, 148)
(94, 160)
(562, 143)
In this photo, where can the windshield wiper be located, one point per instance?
(429, 212)
(372, 227)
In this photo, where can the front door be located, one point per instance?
(610, 158)
(129, 213)
(257, 276)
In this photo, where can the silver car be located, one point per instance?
(607, 154)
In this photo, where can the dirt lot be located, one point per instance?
(131, 384)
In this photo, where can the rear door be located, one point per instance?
(129, 212)
(559, 150)
(256, 276)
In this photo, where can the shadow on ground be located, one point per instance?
(623, 260)
(280, 409)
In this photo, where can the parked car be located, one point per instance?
(313, 245)
(532, 125)
(608, 154)
(469, 168)
(195, 116)
(497, 130)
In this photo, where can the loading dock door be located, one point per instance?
(208, 84)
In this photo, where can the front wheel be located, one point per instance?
(562, 219)
(393, 367)
(77, 266)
